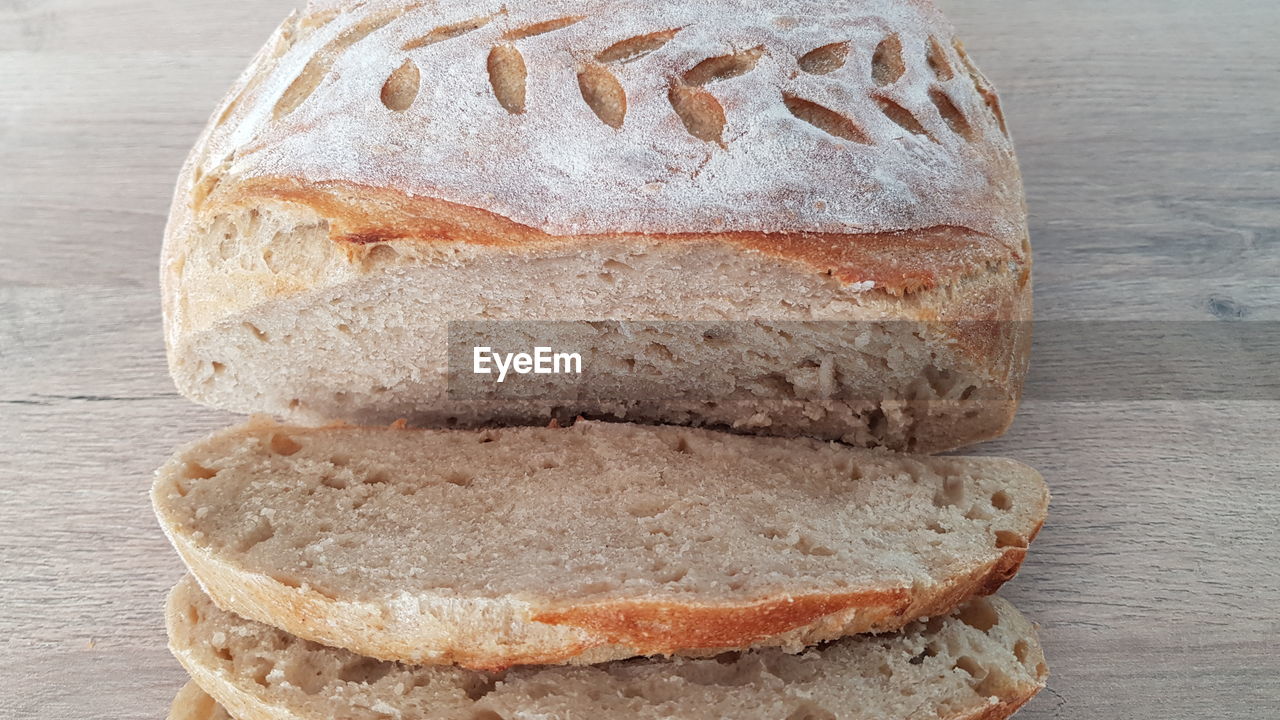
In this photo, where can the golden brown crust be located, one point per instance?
(360, 215)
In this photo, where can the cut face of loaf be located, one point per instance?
(600, 541)
(980, 663)
(831, 179)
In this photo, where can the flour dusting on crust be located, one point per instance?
(927, 148)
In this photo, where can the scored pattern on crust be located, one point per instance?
(595, 116)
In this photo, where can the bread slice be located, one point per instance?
(192, 703)
(980, 663)
(831, 184)
(599, 541)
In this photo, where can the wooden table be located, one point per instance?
(1149, 134)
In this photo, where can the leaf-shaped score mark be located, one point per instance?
(541, 28)
(902, 117)
(723, 67)
(603, 94)
(825, 59)
(825, 119)
(938, 62)
(401, 87)
(636, 47)
(447, 32)
(886, 64)
(701, 113)
(951, 114)
(507, 76)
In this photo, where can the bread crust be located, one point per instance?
(580, 634)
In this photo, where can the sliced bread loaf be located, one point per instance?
(583, 544)
(980, 663)
(833, 180)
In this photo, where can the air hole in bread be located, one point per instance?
(287, 581)
(723, 67)
(382, 253)
(401, 87)
(256, 332)
(936, 527)
(825, 119)
(217, 367)
(699, 111)
(1010, 539)
(260, 533)
(318, 67)
(282, 444)
(486, 715)
(305, 676)
(365, 671)
(193, 615)
(603, 94)
(901, 117)
(886, 64)
(806, 546)
(540, 28)
(809, 710)
(634, 48)
(938, 62)
(1000, 500)
(196, 471)
(459, 478)
(224, 653)
(951, 493)
(334, 482)
(647, 509)
(970, 666)
(507, 76)
(825, 59)
(1022, 651)
(447, 32)
(343, 328)
(377, 477)
(968, 392)
(951, 114)
(479, 686)
(672, 576)
(979, 615)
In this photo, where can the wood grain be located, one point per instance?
(1149, 141)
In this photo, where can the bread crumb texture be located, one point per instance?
(541, 544)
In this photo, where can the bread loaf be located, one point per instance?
(600, 541)
(830, 181)
(980, 663)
